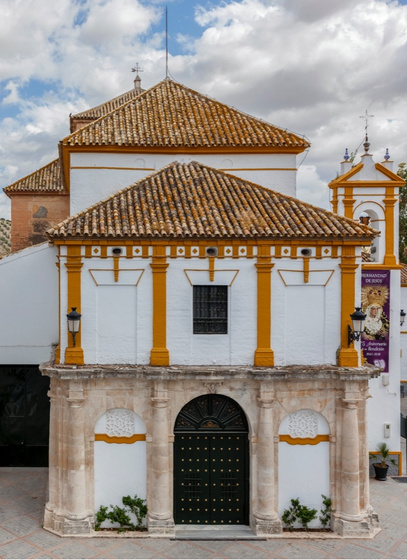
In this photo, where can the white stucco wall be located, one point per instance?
(95, 176)
(306, 315)
(117, 316)
(303, 471)
(120, 468)
(29, 288)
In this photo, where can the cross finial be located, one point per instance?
(137, 68)
(366, 116)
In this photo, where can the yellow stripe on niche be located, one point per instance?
(115, 439)
(304, 441)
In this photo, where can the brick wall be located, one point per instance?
(32, 214)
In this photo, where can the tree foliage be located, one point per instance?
(402, 172)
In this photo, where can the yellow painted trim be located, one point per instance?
(399, 453)
(186, 270)
(304, 441)
(115, 439)
(347, 356)
(257, 169)
(114, 168)
(280, 270)
(348, 202)
(211, 269)
(116, 268)
(159, 355)
(390, 200)
(74, 355)
(378, 266)
(306, 270)
(264, 355)
(92, 270)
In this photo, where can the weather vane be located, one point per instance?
(138, 69)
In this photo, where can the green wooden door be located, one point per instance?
(211, 463)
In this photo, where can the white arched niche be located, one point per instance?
(119, 457)
(303, 461)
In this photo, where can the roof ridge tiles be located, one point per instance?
(207, 122)
(187, 200)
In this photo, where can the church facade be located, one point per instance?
(212, 373)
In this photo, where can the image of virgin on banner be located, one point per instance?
(376, 305)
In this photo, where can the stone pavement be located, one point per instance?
(22, 497)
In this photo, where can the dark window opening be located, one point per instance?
(210, 309)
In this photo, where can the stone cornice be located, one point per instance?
(209, 373)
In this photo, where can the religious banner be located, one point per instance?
(376, 305)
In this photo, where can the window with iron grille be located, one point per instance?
(210, 309)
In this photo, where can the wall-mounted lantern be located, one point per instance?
(402, 317)
(358, 324)
(74, 321)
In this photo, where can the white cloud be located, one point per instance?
(313, 67)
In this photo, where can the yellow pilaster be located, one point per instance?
(348, 202)
(159, 355)
(264, 355)
(348, 356)
(74, 354)
(390, 200)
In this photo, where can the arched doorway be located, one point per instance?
(211, 462)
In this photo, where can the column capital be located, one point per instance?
(351, 404)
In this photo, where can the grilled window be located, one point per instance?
(210, 309)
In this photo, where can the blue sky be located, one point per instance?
(312, 66)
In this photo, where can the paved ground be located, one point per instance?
(22, 497)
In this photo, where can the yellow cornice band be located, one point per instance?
(304, 441)
(115, 439)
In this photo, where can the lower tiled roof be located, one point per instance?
(48, 179)
(404, 273)
(196, 201)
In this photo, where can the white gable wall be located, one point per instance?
(95, 176)
(29, 288)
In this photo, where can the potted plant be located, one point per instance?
(383, 455)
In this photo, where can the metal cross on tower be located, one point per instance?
(366, 116)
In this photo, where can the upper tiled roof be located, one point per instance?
(404, 274)
(48, 179)
(171, 115)
(105, 108)
(196, 201)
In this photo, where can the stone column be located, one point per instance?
(78, 520)
(160, 516)
(350, 521)
(53, 482)
(265, 516)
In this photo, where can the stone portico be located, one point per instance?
(80, 395)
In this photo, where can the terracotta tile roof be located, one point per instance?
(196, 201)
(107, 107)
(404, 274)
(48, 179)
(172, 115)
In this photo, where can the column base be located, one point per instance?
(74, 356)
(68, 525)
(159, 357)
(264, 527)
(354, 529)
(348, 357)
(160, 527)
(264, 357)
